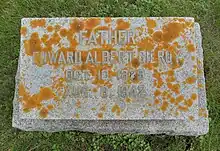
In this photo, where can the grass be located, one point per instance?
(206, 12)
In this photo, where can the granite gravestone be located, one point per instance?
(111, 75)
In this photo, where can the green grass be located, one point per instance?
(206, 12)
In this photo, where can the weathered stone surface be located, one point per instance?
(194, 126)
(136, 86)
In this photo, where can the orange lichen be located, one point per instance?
(190, 24)
(157, 93)
(107, 19)
(172, 100)
(100, 115)
(158, 36)
(122, 25)
(31, 101)
(58, 83)
(149, 104)
(23, 31)
(100, 82)
(169, 85)
(49, 28)
(160, 40)
(203, 112)
(156, 75)
(92, 23)
(50, 106)
(191, 47)
(172, 30)
(116, 108)
(55, 38)
(190, 80)
(128, 100)
(164, 106)
(94, 90)
(26, 110)
(73, 43)
(156, 101)
(165, 93)
(46, 93)
(151, 24)
(32, 45)
(44, 112)
(101, 28)
(63, 32)
(112, 73)
(38, 23)
(159, 82)
(188, 102)
(44, 38)
(22, 91)
(149, 66)
(181, 19)
(176, 44)
(194, 96)
(169, 95)
(78, 104)
(183, 108)
(170, 79)
(135, 62)
(179, 99)
(37, 59)
(170, 73)
(76, 26)
(181, 61)
(191, 118)
(57, 27)
(146, 44)
(174, 87)
(34, 101)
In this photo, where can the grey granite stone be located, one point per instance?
(194, 127)
(167, 87)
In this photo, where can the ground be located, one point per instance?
(206, 12)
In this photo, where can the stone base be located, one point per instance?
(170, 127)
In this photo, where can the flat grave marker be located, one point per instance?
(97, 69)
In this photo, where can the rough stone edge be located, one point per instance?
(169, 127)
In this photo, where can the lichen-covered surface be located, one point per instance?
(170, 88)
(206, 13)
(172, 127)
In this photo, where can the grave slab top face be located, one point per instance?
(108, 68)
